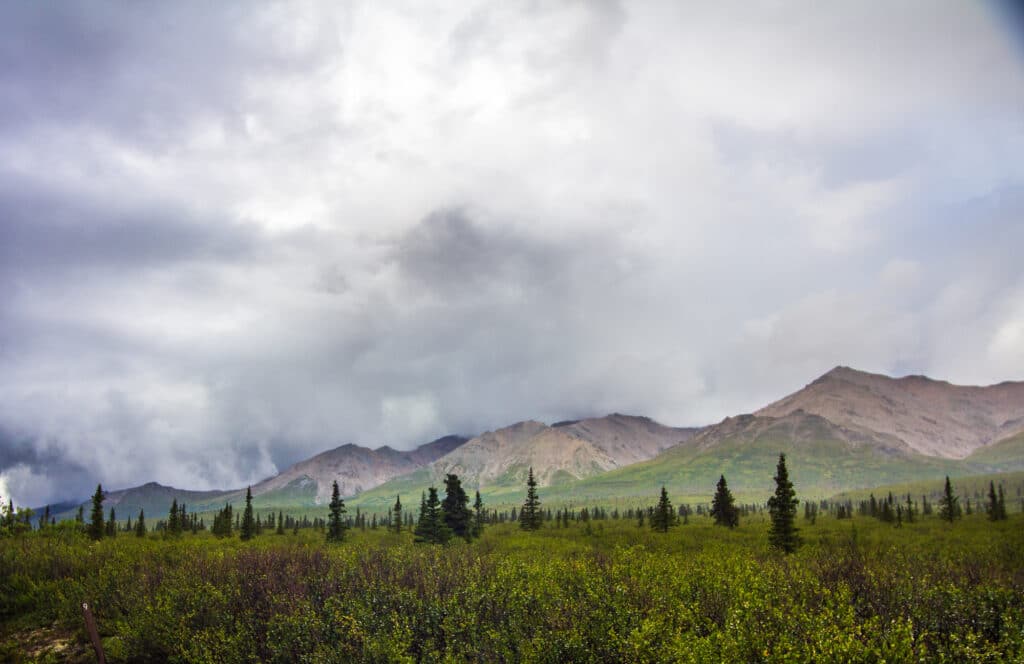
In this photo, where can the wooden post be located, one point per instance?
(94, 635)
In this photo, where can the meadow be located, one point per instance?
(602, 591)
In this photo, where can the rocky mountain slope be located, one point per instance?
(355, 468)
(933, 417)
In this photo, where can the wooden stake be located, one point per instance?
(94, 635)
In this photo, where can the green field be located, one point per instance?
(601, 591)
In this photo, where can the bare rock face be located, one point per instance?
(932, 417)
(566, 450)
(355, 468)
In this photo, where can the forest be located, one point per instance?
(888, 578)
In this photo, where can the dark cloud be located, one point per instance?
(232, 236)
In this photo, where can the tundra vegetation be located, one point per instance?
(879, 579)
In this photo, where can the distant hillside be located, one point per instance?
(933, 417)
(304, 484)
(355, 468)
(1006, 454)
(154, 498)
(823, 458)
(498, 461)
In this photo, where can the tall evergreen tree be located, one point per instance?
(455, 508)
(336, 525)
(478, 516)
(112, 524)
(396, 515)
(1001, 503)
(173, 528)
(993, 502)
(782, 508)
(140, 525)
(529, 516)
(431, 528)
(949, 504)
(247, 529)
(280, 523)
(723, 508)
(664, 517)
(96, 529)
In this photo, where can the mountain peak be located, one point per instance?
(933, 417)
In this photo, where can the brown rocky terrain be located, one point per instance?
(355, 468)
(932, 417)
(573, 449)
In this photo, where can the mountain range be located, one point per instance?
(846, 430)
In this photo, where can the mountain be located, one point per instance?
(568, 450)
(304, 484)
(499, 461)
(932, 417)
(355, 468)
(154, 498)
(823, 458)
(1004, 455)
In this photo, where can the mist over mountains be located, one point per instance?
(845, 430)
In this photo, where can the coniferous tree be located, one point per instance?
(112, 524)
(431, 528)
(140, 525)
(336, 526)
(993, 502)
(529, 516)
(664, 517)
(247, 530)
(782, 508)
(478, 516)
(1001, 504)
(723, 508)
(173, 521)
(909, 510)
(280, 523)
(396, 515)
(79, 518)
(455, 508)
(96, 529)
(949, 507)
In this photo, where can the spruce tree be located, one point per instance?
(140, 525)
(96, 529)
(112, 524)
(280, 523)
(993, 502)
(723, 509)
(336, 526)
(782, 508)
(478, 516)
(455, 507)
(949, 507)
(173, 521)
(664, 516)
(1001, 503)
(396, 515)
(529, 516)
(247, 530)
(431, 528)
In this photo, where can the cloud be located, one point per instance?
(231, 239)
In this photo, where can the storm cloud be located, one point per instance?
(233, 236)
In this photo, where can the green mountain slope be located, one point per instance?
(1006, 454)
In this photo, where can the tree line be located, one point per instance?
(438, 521)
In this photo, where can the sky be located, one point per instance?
(233, 235)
